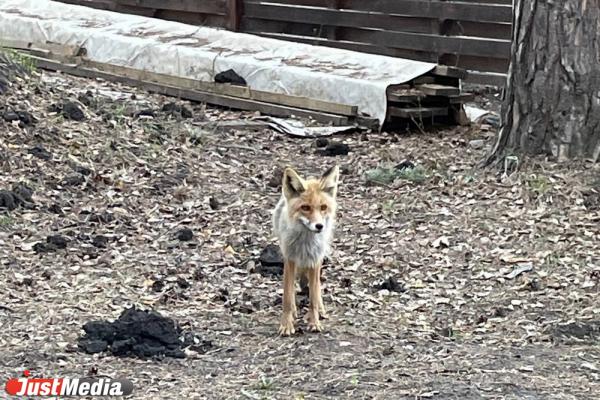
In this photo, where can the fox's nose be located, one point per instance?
(319, 227)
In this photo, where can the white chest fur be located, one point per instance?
(305, 248)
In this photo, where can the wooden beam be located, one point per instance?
(453, 72)
(436, 9)
(432, 89)
(227, 89)
(405, 96)
(332, 17)
(234, 14)
(190, 94)
(204, 6)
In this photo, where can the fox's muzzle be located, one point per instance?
(313, 227)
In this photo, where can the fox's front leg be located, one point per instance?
(322, 311)
(286, 327)
(315, 302)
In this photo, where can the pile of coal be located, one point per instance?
(139, 333)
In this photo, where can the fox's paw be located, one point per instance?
(294, 312)
(312, 318)
(323, 313)
(286, 326)
(315, 326)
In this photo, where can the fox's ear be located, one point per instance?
(329, 180)
(292, 184)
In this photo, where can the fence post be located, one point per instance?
(332, 30)
(234, 14)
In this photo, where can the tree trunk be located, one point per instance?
(552, 103)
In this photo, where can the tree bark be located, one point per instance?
(552, 99)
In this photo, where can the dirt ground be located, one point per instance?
(446, 282)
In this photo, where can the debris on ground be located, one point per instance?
(405, 164)
(52, 243)
(19, 196)
(298, 128)
(334, 149)
(270, 261)
(391, 284)
(482, 116)
(519, 270)
(184, 234)
(72, 111)
(40, 152)
(574, 332)
(177, 109)
(230, 76)
(321, 142)
(138, 333)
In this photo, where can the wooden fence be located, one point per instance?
(470, 34)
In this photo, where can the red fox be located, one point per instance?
(303, 222)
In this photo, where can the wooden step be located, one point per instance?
(405, 95)
(433, 89)
(420, 80)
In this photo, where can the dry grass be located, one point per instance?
(460, 329)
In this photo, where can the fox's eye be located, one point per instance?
(305, 207)
(323, 207)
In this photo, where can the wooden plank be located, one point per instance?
(490, 30)
(231, 90)
(404, 40)
(226, 89)
(194, 95)
(418, 112)
(405, 96)
(436, 9)
(453, 72)
(63, 50)
(419, 80)
(234, 14)
(362, 47)
(486, 79)
(204, 6)
(466, 62)
(323, 3)
(500, 2)
(476, 63)
(432, 89)
(490, 48)
(214, 20)
(334, 17)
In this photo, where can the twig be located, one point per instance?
(237, 146)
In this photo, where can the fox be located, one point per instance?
(303, 223)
